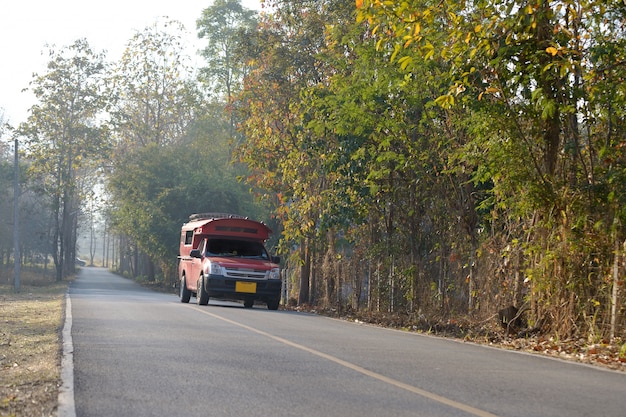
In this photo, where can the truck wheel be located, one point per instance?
(185, 294)
(202, 295)
(248, 303)
(273, 304)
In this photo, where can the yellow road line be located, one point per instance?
(426, 394)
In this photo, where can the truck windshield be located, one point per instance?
(240, 248)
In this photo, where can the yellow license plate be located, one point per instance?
(249, 287)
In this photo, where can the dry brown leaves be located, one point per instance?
(600, 353)
(603, 353)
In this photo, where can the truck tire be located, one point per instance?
(202, 295)
(185, 293)
(273, 304)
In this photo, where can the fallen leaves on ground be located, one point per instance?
(600, 353)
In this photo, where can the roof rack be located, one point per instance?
(205, 216)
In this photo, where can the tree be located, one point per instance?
(280, 152)
(6, 195)
(223, 25)
(62, 134)
(154, 96)
(4, 177)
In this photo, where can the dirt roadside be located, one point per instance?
(30, 343)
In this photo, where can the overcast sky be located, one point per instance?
(26, 26)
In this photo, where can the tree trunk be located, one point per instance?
(471, 305)
(305, 270)
(615, 290)
(551, 86)
(151, 269)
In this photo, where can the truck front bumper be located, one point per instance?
(218, 286)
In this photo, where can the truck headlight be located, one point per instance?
(216, 269)
(274, 273)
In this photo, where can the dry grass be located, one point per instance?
(30, 341)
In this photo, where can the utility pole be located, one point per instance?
(16, 221)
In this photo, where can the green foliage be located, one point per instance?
(223, 25)
(156, 188)
(521, 68)
(280, 149)
(153, 95)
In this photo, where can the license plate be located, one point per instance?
(249, 287)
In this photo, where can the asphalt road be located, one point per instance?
(139, 353)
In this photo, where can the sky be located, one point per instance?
(27, 26)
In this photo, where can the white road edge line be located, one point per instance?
(66, 406)
(399, 384)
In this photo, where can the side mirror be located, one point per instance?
(276, 259)
(195, 253)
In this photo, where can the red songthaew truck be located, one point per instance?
(223, 256)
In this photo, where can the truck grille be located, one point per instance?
(246, 273)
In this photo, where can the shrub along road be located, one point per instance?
(141, 353)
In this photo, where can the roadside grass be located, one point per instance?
(30, 340)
